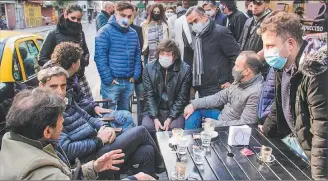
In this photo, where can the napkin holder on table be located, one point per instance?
(239, 135)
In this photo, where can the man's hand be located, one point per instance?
(112, 136)
(132, 80)
(115, 82)
(260, 128)
(158, 124)
(104, 134)
(225, 85)
(188, 111)
(99, 110)
(143, 176)
(106, 161)
(167, 124)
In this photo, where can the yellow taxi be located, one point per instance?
(18, 56)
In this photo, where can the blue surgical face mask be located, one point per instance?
(273, 58)
(123, 22)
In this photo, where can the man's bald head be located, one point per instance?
(109, 7)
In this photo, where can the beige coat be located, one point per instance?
(166, 34)
(25, 159)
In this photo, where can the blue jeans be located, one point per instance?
(123, 119)
(195, 120)
(120, 94)
(293, 144)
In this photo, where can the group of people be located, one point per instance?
(208, 62)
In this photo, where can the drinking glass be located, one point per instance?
(208, 126)
(180, 170)
(266, 153)
(177, 133)
(199, 154)
(182, 146)
(206, 138)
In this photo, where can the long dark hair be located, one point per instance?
(162, 13)
(72, 8)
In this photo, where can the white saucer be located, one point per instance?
(214, 134)
(272, 159)
(174, 176)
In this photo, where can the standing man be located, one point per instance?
(117, 56)
(236, 19)
(214, 12)
(301, 100)
(249, 39)
(215, 52)
(108, 9)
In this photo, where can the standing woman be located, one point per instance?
(154, 30)
(69, 29)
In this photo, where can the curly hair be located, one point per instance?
(66, 53)
(168, 45)
(286, 25)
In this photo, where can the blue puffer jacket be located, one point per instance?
(79, 136)
(117, 52)
(267, 96)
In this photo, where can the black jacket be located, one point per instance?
(58, 35)
(220, 51)
(139, 32)
(237, 20)
(177, 86)
(309, 107)
(250, 40)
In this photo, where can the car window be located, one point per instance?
(29, 54)
(40, 42)
(17, 73)
(2, 45)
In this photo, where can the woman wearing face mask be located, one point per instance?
(154, 30)
(167, 82)
(68, 29)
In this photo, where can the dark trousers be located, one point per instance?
(139, 149)
(148, 122)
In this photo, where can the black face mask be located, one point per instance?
(111, 13)
(75, 26)
(250, 13)
(156, 17)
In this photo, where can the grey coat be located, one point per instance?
(240, 102)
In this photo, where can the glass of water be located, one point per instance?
(208, 126)
(177, 133)
(266, 153)
(180, 171)
(199, 154)
(206, 138)
(182, 146)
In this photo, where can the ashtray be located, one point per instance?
(272, 159)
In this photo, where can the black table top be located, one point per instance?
(219, 165)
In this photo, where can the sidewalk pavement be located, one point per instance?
(40, 29)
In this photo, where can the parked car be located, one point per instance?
(18, 66)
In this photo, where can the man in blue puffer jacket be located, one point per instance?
(117, 56)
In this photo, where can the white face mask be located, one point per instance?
(168, 15)
(210, 13)
(165, 61)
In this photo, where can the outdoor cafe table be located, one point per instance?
(220, 164)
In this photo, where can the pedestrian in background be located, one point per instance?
(214, 12)
(171, 16)
(69, 28)
(236, 18)
(154, 30)
(117, 56)
(108, 9)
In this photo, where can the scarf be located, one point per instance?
(155, 35)
(198, 68)
(64, 28)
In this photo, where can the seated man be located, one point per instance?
(88, 138)
(35, 122)
(240, 100)
(167, 83)
(68, 55)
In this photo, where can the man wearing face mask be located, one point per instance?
(299, 111)
(212, 11)
(249, 39)
(117, 56)
(240, 100)
(167, 83)
(104, 15)
(215, 51)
